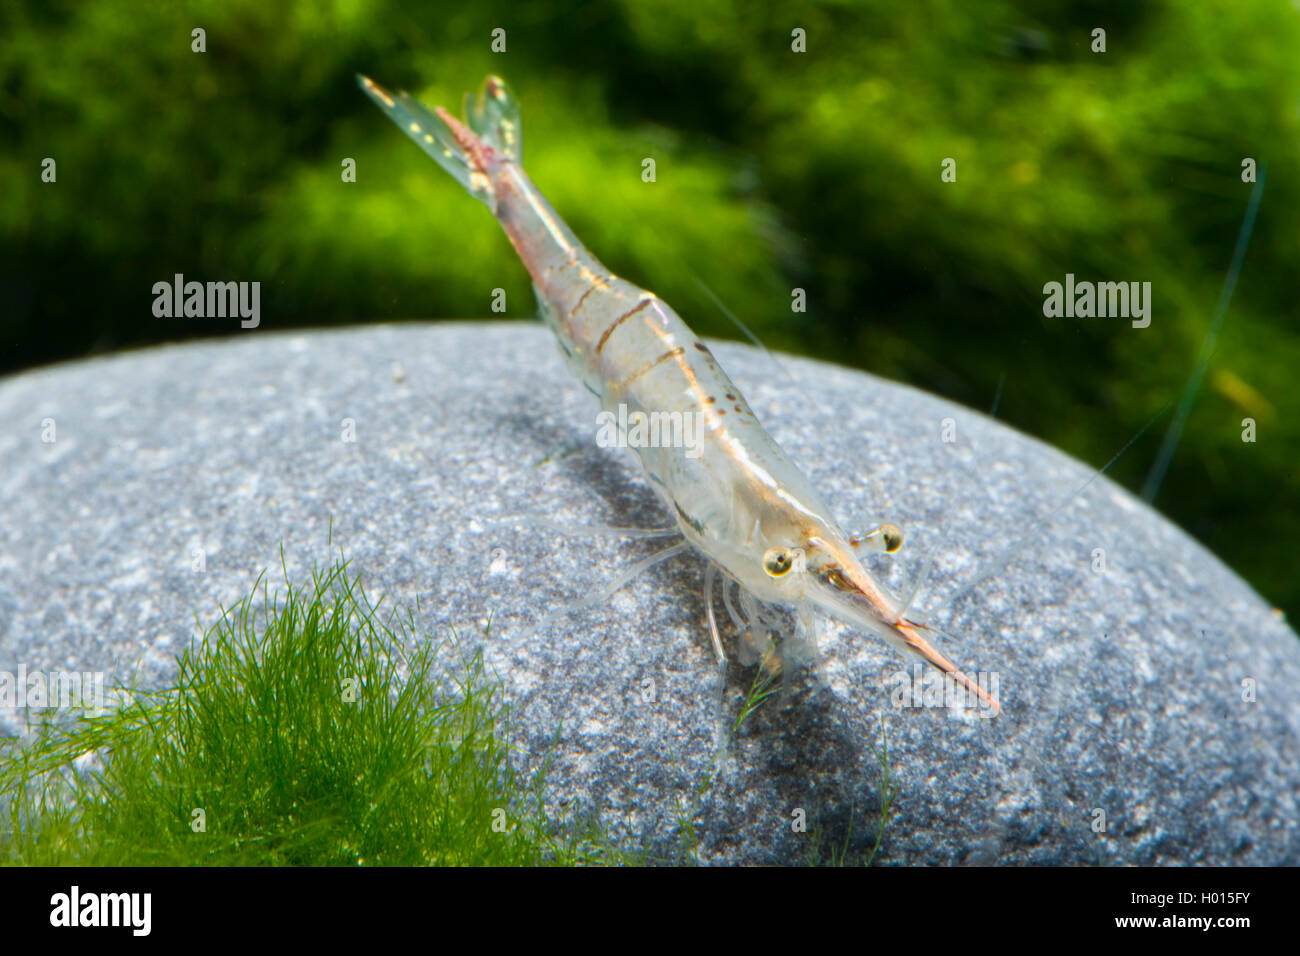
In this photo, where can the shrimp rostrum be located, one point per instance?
(736, 497)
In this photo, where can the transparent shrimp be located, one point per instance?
(735, 495)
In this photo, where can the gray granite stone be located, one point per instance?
(1125, 691)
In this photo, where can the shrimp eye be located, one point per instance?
(893, 536)
(777, 562)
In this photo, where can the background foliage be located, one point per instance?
(776, 170)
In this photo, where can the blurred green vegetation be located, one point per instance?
(775, 170)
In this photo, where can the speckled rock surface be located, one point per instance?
(1157, 701)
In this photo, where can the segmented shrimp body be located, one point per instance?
(736, 496)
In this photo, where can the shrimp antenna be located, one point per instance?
(780, 367)
(568, 529)
(1001, 558)
(744, 330)
(609, 590)
(1175, 432)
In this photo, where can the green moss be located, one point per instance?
(305, 731)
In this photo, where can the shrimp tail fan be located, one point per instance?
(494, 116)
(467, 152)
